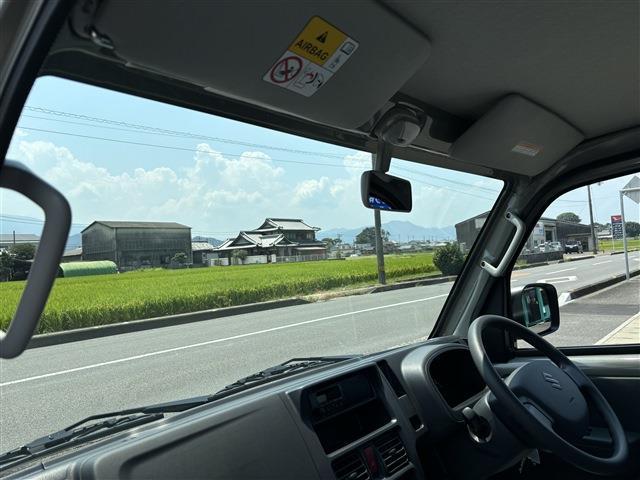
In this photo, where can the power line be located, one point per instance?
(487, 189)
(171, 147)
(174, 133)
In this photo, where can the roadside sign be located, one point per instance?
(616, 226)
(632, 189)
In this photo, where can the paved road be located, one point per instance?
(569, 275)
(47, 388)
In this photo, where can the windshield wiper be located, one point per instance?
(295, 365)
(101, 425)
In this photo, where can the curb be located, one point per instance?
(57, 338)
(413, 283)
(577, 259)
(594, 287)
(533, 265)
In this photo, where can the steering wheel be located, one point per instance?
(545, 402)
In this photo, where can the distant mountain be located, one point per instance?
(213, 241)
(402, 231)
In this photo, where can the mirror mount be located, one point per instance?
(398, 127)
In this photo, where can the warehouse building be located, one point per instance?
(9, 239)
(546, 230)
(133, 245)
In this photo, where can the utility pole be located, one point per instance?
(593, 230)
(14, 237)
(382, 278)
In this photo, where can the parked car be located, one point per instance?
(573, 247)
(554, 247)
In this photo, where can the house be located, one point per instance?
(201, 250)
(73, 255)
(276, 239)
(136, 244)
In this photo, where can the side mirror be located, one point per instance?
(43, 272)
(382, 191)
(536, 307)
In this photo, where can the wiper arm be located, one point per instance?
(292, 366)
(79, 432)
(100, 425)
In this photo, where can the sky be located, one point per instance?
(119, 157)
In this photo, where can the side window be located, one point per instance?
(587, 245)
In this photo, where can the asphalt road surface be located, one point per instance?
(48, 388)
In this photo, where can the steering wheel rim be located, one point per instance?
(516, 415)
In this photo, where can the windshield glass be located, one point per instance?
(247, 247)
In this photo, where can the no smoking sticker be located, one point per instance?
(314, 56)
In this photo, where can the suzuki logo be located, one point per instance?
(551, 380)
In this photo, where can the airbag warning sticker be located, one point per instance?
(312, 59)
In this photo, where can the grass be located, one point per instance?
(103, 299)
(608, 245)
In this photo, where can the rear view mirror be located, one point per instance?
(382, 191)
(536, 307)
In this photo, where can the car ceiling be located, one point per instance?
(578, 62)
(579, 59)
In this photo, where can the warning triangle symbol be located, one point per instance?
(322, 37)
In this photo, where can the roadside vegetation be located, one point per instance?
(100, 300)
(616, 246)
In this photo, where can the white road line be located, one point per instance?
(558, 280)
(560, 271)
(564, 298)
(600, 263)
(211, 342)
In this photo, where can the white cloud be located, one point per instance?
(200, 194)
(308, 189)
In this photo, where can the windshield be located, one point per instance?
(226, 247)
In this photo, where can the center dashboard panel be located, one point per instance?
(357, 427)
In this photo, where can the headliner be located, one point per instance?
(579, 59)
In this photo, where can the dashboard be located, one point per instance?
(392, 415)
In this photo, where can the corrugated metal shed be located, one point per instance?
(79, 269)
(202, 247)
(118, 224)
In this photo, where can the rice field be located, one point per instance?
(103, 299)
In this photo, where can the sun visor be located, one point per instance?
(517, 136)
(335, 63)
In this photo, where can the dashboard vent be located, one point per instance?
(350, 467)
(392, 452)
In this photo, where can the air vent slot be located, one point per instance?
(350, 467)
(392, 452)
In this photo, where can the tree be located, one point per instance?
(180, 258)
(6, 266)
(449, 259)
(632, 229)
(568, 217)
(23, 251)
(329, 242)
(368, 235)
(240, 255)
